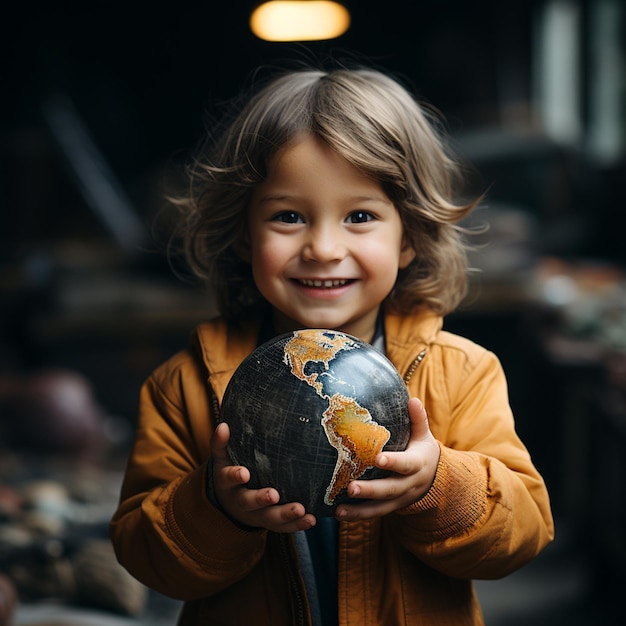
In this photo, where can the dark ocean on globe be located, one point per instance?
(310, 410)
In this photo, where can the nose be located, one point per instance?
(324, 244)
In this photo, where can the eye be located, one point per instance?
(360, 217)
(288, 217)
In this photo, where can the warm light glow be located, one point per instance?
(303, 20)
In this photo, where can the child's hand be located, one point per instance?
(414, 472)
(257, 508)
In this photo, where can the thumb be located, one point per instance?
(419, 420)
(219, 444)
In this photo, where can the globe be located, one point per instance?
(309, 411)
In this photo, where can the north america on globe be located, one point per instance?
(349, 427)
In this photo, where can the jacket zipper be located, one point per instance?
(418, 359)
(215, 405)
(285, 556)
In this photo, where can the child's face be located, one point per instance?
(326, 241)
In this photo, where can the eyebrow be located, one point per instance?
(287, 197)
(274, 198)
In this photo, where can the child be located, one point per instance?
(327, 202)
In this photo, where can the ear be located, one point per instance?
(407, 254)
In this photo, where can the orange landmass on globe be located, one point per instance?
(317, 346)
(349, 426)
(357, 439)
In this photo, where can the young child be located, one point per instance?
(328, 202)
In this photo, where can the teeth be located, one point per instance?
(324, 283)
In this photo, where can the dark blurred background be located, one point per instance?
(102, 103)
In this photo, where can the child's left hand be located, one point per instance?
(413, 473)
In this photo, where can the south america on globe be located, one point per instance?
(308, 413)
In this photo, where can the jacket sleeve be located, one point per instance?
(488, 511)
(165, 531)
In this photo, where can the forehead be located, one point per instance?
(309, 158)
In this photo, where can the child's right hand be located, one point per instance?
(257, 508)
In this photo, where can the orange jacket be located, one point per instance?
(486, 514)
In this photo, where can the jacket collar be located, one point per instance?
(224, 345)
(408, 335)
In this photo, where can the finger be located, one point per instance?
(219, 442)
(364, 510)
(282, 518)
(221, 456)
(390, 488)
(234, 474)
(255, 499)
(303, 522)
(380, 497)
(419, 420)
(398, 461)
(288, 518)
(422, 440)
(411, 461)
(222, 463)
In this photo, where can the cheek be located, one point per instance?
(383, 257)
(267, 261)
(266, 254)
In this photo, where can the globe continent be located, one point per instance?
(308, 413)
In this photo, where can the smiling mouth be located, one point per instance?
(327, 284)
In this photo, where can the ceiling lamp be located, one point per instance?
(299, 20)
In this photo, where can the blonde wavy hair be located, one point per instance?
(375, 123)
